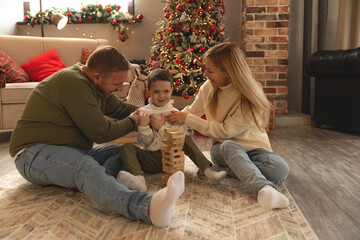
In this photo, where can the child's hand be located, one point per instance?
(157, 123)
(135, 116)
(143, 120)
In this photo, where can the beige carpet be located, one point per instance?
(204, 211)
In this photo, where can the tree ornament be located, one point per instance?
(140, 16)
(186, 28)
(36, 21)
(213, 28)
(166, 15)
(122, 32)
(99, 14)
(114, 22)
(99, 6)
(170, 29)
(177, 82)
(190, 50)
(179, 7)
(202, 48)
(156, 64)
(69, 14)
(178, 60)
(83, 9)
(186, 96)
(184, 67)
(80, 20)
(123, 39)
(166, 9)
(168, 45)
(153, 56)
(108, 9)
(118, 7)
(121, 20)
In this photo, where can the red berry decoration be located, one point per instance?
(202, 48)
(179, 7)
(170, 29)
(26, 17)
(213, 28)
(153, 56)
(147, 62)
(36, 21)
(184, 67)
(187, 1)
(166, 9)
(201, 10)
(80, 20)
(186, 96)
(193, 29)
(83, 9)
(133, 18)
(118, 7)
(122, 32)
(89, 17)
(121, 20)
(177, 82)
(123, 39)
(178, 60)
(99, 6)
(69, 14)
(140, 16)
(108, 9)
(168, 45)
(147, 96)
(114, 22)
(166, 15)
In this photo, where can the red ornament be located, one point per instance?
(80, 20)
(156, 64)
(69, 14)
(118, 7)
(147, 96)
(209, 9)
(202, 48)
(108, 9)
(121, 20)
(186, 96)
(166, 15)
(170, 29)
(147, 62)
(213, 28)
(99, 6)
(133, 18)
(171, 74)
(140, 16)
(36, 21)
(193, 29)
(89, 17)
(123, 39)
(122, 32)
(83, 9)
(153, 56)
(184, 67)
(114, 22)
(166, 9)
(177, 82)
(26, 17)
(179, 7)
(168, 45)
(201, 10)
(178, 60)
(190, 50)
(187, 1)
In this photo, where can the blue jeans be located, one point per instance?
(92, 172)
(255, 169)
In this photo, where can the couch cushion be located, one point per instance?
(16, 92)
(13, 72)
(43, 65)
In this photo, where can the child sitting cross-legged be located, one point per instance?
(150, 136)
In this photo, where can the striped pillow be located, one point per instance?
(13, 72)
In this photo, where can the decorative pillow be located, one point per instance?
(43, 65)
(85, 55)
(12, 71)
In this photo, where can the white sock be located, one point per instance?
(163, 200)
(269, 198)
(214, 177)
(131, 181)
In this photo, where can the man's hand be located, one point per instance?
(176, 117)
(135, 116)
(157, 123)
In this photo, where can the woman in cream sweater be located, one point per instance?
(237, 113)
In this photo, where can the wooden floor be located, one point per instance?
(324, 176)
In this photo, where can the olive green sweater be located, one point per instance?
(65, 110)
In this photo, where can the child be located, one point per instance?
(237, 113)
(138, 160)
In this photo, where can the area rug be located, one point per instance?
(204, 211)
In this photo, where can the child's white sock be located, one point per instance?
(132, 181)
(213, 176)
(163, 201)
(269, 198)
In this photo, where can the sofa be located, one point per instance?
(22, 49)
(337, 88)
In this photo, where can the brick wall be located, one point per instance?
(265, 30)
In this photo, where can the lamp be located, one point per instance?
(58, 19)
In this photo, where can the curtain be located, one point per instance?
(348, 29)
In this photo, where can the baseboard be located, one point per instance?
(293, 120)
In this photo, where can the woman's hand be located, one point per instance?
(176, 117)
(157, 123)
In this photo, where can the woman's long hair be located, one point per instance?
(229, 58)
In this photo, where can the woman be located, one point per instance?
(237, 113)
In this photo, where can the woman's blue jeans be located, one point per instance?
(93, 172)
(255, 168)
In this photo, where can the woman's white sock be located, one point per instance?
(163, 200)
(131, 181)
(269, 198)
(213, 176)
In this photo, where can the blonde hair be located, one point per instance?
(229, 58)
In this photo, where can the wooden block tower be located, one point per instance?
(172, 155)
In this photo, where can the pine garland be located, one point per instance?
(91, 13)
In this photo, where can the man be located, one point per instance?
(53, 140)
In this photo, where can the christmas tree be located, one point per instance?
(188, 29)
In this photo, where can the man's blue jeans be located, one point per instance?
(93, 172)
(255, 168)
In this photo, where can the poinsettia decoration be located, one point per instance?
(110, 13)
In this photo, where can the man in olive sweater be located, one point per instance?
(53, 140)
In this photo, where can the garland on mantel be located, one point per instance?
(89, 14)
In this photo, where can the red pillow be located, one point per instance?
(85, 55)
(11, 70)
(43, 65)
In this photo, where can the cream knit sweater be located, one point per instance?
(229, 123)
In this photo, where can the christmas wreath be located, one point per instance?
(90, 13)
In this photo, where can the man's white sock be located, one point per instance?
(131, 181)
(269, 198)
(213, 176)
(163, 200)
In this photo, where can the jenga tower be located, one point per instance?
(172, 154)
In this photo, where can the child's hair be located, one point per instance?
(229, 58)
(159, 74)
(107, 60)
